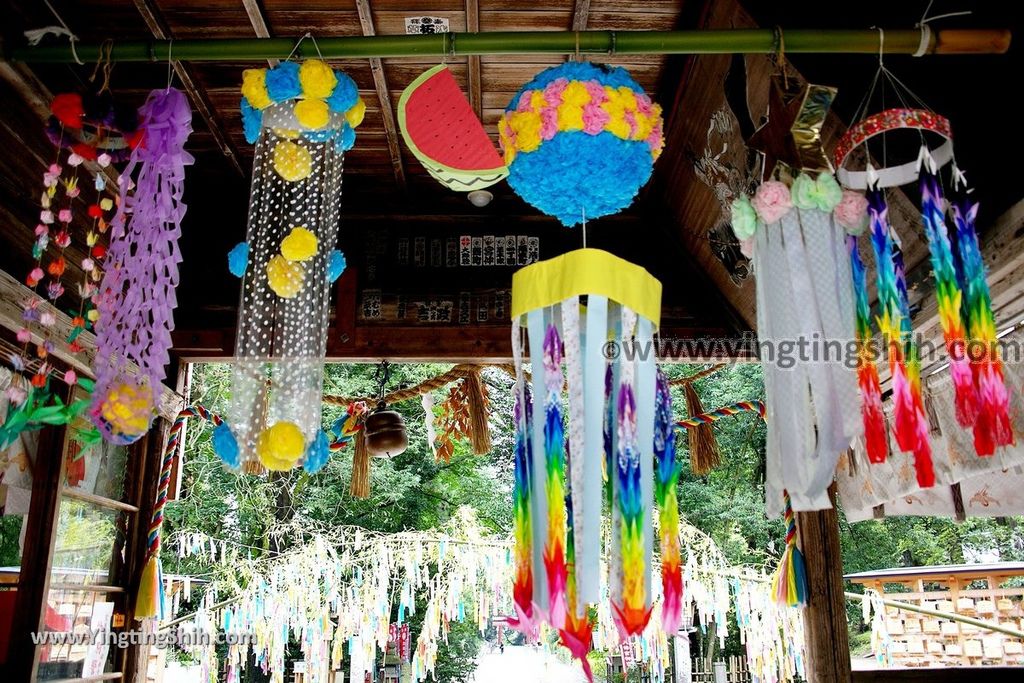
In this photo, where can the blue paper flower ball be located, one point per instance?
(335, 265)
(238, 259)
(225, 445)
(283, 82)
(345, 94)
(317, 454)
(346, 139)
(252, 120)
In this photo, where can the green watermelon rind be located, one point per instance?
(469, 178)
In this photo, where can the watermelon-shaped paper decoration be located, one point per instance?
(443, 132)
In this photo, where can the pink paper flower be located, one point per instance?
(46, 216)
(24, 336)
(47, 319)
(16, 394)
(747, 247)
(70, 377)
(54, 169)
(772, 201)
(64, 216)
(852, 212)
(103, 160)
(36, 274)
(88, 264)
(75, 160)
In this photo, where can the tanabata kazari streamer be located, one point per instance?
(302, 118)
(804, 295)
(622, 305)
(136, 299)
(667, 476)
(876, 441)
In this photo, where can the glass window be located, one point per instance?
(88, 539)
(92, 466)
(77, 624)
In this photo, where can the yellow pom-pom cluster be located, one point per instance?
(280, 446)
(254, 88)
(588, 106)
(312, 114)
(128, 409)
(299, 245)
(292, 161)
(354, 116)
(285, 277)
(317, 79)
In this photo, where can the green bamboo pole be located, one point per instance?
(980, 623)
(763, 41)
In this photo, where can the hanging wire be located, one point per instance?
(36, 35)
(170, 64)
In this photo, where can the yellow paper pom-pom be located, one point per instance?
(280, 446)
(570, 117)
(128, 409)
(285, 277)
(286, 133)
(355, 114)
(312, 114)
(299, 245)
(526, 125)
(575, 93)
(254, 88)
(317, 79)
(291, 161)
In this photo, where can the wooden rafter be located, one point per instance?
(200, 101)
(475, 88)
(380, 82)
(258, 21)
(580, 15)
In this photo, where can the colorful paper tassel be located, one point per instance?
(554, 454)
(875, 439)
(949, 298)
(578, 632)
(789, 583)
(911, 424)
(992, 428)
(668, 508)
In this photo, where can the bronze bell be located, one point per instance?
(385, 434)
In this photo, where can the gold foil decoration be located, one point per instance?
(791, 138)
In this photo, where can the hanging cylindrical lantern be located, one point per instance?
(302, 119)
(599, 313)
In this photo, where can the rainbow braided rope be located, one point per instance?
(725, 411)
(149, 601)
(911, 425)
(632, 615)
(789, 583)
(875, 440)
(522, 587)
(578, 632)
(667, 475)
(992, 428)
(554, 458)
(949, 298)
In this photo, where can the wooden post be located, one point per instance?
(825, 628)
(40, 537)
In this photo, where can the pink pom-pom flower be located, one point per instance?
(852, 212)
(772, 201)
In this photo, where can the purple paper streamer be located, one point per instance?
(136, 299)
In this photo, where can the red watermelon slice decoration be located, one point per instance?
(443, 132)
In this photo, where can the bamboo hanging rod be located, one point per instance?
(764, 41)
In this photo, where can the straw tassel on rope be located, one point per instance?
(479, 431)
(704, 453)
(360, 467)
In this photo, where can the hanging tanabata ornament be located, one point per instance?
(302, 118)
(136, 298)
(580, 140)
(961, 291)
(804, 295)
(444, 134)
(572, 308)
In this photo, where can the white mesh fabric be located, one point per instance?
(281, 341)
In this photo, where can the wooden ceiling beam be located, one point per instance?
(380, 82)
(259, 22)
(200, 101)
(580, 15)
(476, 99)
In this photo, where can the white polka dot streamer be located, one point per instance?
(294, 212)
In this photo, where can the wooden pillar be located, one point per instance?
(825, 628)
(40, 537)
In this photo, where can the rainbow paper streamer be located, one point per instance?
(875, 440)
(632, 615)
(554, 454)
(725, 411)
(992, 427)
(578, 632)
(668, 508)
(522, 587)
(911, 425)
(949, 298)
(789, 583)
